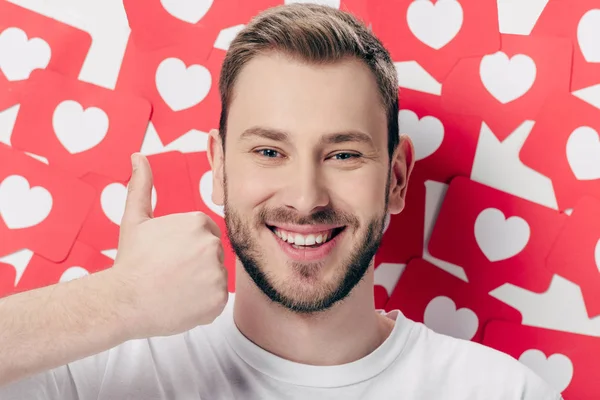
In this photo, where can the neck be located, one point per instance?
(347, 332)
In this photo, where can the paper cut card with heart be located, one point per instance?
(171, 193)
(161, 23)
(507, 87)
(578, 21)
(564, 145)
(181, 82)
(82, 260)
(8, 276)
(444, 142)
(464, 28)
(564, 360)
(576, 252)
(496, 237)
(30, 41)
(80, 127)
(445, 303)
(41, 208)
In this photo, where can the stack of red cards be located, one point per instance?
(64, 170)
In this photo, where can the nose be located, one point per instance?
(305, 189)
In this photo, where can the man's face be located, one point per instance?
(306, 178)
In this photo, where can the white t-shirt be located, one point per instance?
(218, 362)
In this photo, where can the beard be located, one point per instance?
(293, 294)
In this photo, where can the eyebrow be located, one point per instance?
(331, 138)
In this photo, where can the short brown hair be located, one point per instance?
(314, 34)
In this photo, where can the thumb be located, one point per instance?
(138, 206)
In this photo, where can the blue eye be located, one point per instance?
(270, 153)
(346, 156)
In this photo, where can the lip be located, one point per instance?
(308, 254)
(305, 229)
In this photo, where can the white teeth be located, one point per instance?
(303, 240)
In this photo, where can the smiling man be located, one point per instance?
(308, 163)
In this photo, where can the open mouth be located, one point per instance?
(306, 241)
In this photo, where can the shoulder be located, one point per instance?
(482, 369)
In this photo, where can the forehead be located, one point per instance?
(307, 100)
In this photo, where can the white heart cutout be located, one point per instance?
(556, 370)
(588, 35)
(182, 87)
(73, 273)
(226, 36)
(206, 188)
(435, 24)
(113, 198)
(427, 133)
(22, 206)
(442, 316)
(507, 79)
(79, 130)
(19, 56)
(583, 153)
(329, 3)
(191, 11)
(500, 238)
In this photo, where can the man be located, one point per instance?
(307, 163)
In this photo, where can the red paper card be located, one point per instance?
(578, 21)
(404, 237)
(181, 82)
(444, 142)
(41, 208)
(564, 145)
(510, 86)
(445, 303)
(380, 296)
(172, 194)
(80, 127)
(464, 28)
(202, 183)
(161, 23)
(576, 252)
(496, 237)
(82, 260)
(564, 360)
(30, 41)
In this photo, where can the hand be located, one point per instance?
(169, 269)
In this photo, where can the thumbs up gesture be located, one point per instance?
(170, 269)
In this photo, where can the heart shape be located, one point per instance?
(500, 238)
(435, 24)
(206, 188)
(442, 316)
(505, 78)
(191, 11)
(556, 370)
(588, 35)
(182, 87)
(22, 206)
(19, 56)
(583, 153)
(113, 198)
(427, 133)
(79, 130)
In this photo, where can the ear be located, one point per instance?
(217, 163)
(402, 165)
